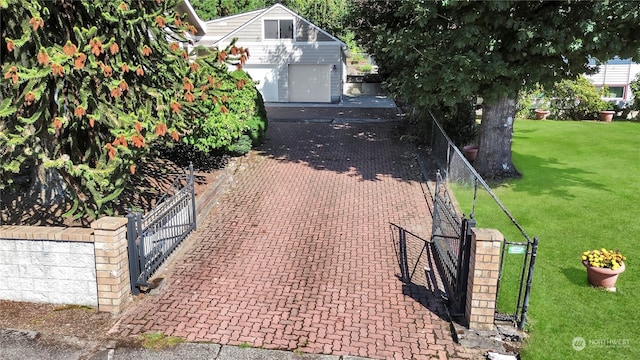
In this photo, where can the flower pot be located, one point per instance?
(606, 115)
(542, 114)
(603, 277)
(470, 152)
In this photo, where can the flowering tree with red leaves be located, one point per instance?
(88, 86)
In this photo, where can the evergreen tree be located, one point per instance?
(213, 9)
(88, 86)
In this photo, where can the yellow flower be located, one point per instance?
(603, 258)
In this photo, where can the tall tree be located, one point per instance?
(88, 86)
(327, 14)
(213, 9)
(434, 52)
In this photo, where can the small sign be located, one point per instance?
(517, 249)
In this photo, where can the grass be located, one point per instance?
(73, 307)
(580, 190)
(157, 340)
(365, 68)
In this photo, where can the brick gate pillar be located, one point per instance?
(484, 267)
(112, 263)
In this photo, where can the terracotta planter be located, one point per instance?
(470, 152)
(606, 115)
(603, 277)
(542, 114)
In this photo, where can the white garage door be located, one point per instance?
(268, 78)
(309, 83)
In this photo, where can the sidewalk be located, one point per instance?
(20, 345)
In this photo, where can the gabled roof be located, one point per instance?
(230, 17)
(253, 15)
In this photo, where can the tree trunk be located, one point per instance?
(47, 186)
(496, 136)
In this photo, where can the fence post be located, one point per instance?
(194, 215)
(404, 266)
(532, 263)
(464, 253)
(484, 266)
(134, 261)
(112, 272)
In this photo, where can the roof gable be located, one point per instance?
(253, 16)
(232, 17)
(220, 27)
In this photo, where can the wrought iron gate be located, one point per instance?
(530, 250)
(451, 243)
(154, 236)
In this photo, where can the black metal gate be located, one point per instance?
(530, 251)
(451, 245)
(154, 236)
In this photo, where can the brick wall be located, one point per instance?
(112, 263)
(482, 287)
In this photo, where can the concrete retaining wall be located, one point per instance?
(41, 267)
(59, 265)
(361, 88)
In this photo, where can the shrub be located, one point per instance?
(366, 68)
(459, 121)
(635, 89)
(240, 146)
(256, 126)
(235, 117)
(576, 99)
(530, 99)
(255, 117)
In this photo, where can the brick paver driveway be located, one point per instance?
(299, 253)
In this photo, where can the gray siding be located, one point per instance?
(250, 33)
(223, 26)
(300, 53)
(304, 31)
(307, 33)
(253, 31)
(278, 13)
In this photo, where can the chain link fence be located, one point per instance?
(475, 199)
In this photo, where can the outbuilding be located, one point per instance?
(293, 59)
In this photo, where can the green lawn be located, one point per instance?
(580, 190)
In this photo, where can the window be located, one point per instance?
(278, 29)
(613, 91)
